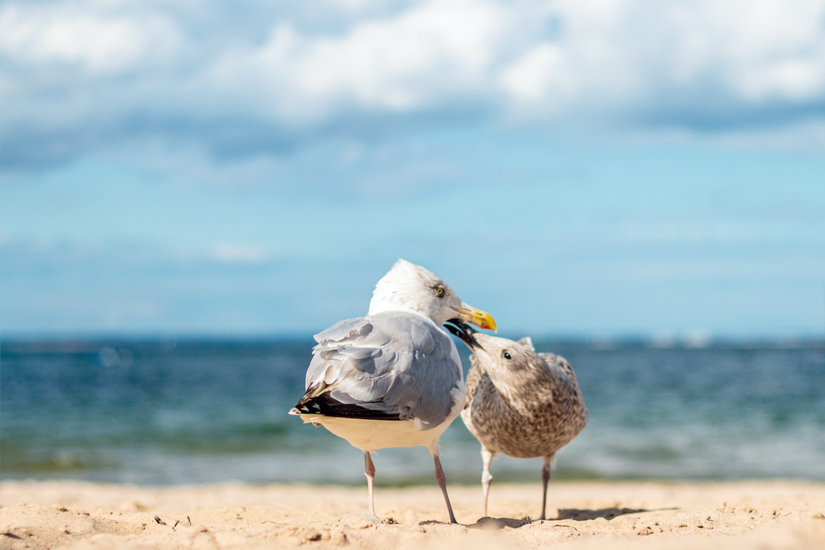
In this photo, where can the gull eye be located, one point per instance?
(506, 355)
(439, 291)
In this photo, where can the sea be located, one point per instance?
(166, 411)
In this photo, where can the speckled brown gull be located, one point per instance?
(394, 377)
(520, 403)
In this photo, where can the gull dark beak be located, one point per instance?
(464, 332)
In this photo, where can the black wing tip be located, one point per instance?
(326, 405)
(463, 331)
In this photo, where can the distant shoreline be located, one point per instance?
(69, 343)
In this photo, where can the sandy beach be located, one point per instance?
(751, 514)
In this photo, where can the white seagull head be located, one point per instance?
(410, 287)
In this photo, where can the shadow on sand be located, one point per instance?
(606, 513)
(564, 513)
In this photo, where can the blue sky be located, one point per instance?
(615, 168)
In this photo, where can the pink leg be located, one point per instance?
(545, 477)
(486, 477)
(442, 482)
(369, 471)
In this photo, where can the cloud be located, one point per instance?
(429, 58)
(238, 253)
(84, 75)
(541, 72)
(92, 43)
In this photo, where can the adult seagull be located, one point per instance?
(394, 377)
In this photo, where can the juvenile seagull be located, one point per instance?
(520, 403)
(394, 377)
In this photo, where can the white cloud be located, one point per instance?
(609, 56)
(696, 65)
(410, 61)
(763, 50)
(355, 6)
(238, 252)
(97, 42)
(696, 232)
(529, 78)
(789, 79)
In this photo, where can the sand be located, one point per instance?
(755, 515)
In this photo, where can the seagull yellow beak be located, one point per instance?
(476, 317)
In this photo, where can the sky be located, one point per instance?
(604, 169)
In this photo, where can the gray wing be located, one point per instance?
(390, 366)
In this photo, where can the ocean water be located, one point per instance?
(182, 412)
